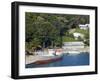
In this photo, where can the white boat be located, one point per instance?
(73, 52)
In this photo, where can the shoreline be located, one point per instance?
(33, 58)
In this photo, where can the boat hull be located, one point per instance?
(47, 61)
(48, 56)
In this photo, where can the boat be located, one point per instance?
(52, 56)
(73, 52)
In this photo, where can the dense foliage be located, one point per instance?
(48, 30)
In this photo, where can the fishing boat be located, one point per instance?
(52, 56)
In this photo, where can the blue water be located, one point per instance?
(67, 60)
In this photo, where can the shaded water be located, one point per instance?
(67, 60)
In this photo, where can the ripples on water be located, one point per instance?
(67, 60)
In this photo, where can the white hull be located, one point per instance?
(75, 52)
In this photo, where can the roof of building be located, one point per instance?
(83, 25)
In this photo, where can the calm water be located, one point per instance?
(67, 60)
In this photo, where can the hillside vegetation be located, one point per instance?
(44, 30)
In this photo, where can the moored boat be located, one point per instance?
(52, 56)
(73, 52)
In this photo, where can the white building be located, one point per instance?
(73, 45)
(76, 35)
(84, 26)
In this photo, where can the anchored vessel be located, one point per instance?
(45, 57)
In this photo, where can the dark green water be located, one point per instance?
(67, 60)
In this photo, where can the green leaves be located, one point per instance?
(41, 27)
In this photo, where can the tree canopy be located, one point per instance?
(47, 29)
